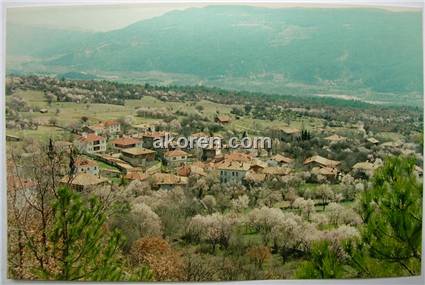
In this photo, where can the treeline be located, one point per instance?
(257, 105)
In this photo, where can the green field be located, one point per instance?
(70, 112)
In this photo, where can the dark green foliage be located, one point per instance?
(323, 263)
(391, 236)
(80, 245)
(237, 111)
(392, 213)
(9, 90)
(247, 108)
(305, 135)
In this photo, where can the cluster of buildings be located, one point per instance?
(137, 158)
(134, 157)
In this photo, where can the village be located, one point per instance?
(134, 157)
(131, 154)
(319, 160)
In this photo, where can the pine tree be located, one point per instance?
(391, 236)
(392, 215)
(81, 248)
(323, 263)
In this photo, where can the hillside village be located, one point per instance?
(130, 149)
(321, 155)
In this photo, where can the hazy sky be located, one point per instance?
(92, 18)
(101, 17)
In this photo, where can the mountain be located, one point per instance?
(372, 54)
(24, 40)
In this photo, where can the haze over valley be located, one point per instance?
(374, 55)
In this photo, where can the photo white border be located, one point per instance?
(418, 280)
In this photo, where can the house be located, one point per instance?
(256, 147)
(84, 182)
(232, 171)
(191, 170)
(197, 171)
(116, 161)
(149, 138)
(176, 157)
(137, 156)
(239, 156)
(94, 129)
(222, 119)
(364, 169)
(329, 173)
(196, 136)
(262, 174)
(210, 153)
(155, 168)
(335, 138)
(168, 181)
(279, 160)
(91, 143)
(136, 175)
(286, 133)
(109, 128)
(112, 127)
(184, 171)
(126, 142)
(320, 161)
(254, 178)
(84, 165)
(199, 135)
(257, 166)
(44, 111)
(110, 173)
(203, 165)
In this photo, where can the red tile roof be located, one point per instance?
(125, 141)
(184, 171)
(169, 179)
(91, 138)
(137, 151)
(233, 165)
(322, 161)
(239, 156)
(175, 153)
(84, 179)
(136, 175)
(282, 159)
